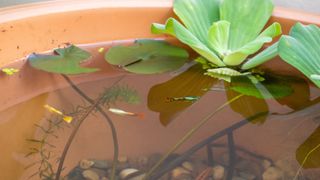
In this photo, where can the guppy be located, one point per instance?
(185, 98)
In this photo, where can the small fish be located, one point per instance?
(186, 98)
(10, 71)
(100, 50)
(125, 113)
(220, 89)
(51, 109)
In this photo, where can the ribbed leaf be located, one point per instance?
(302, 50)
(238, 56)
(267, 54)
(174, 28)
(147, 57)
(223, 73)
(247, 18)
(197, 15)
(219, 37)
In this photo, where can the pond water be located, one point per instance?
(153, 114)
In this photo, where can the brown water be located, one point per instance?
(280, 139)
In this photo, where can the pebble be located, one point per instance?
(286, 167)
(266, 164)
(188, 166)
(126, 172)
(104, 178)
(101, 164)
(86, 164)
(178, 172)
(218, 172)
(272, 173)
(90, 175)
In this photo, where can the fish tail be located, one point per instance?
(140, 115)
(67, 119)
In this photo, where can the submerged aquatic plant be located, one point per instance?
(224, 33)
(43, 149)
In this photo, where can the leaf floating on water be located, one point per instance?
(189, 83)
(147, 57)
(65, 61)
(308, 153)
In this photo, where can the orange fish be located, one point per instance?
(125, 113)
(51, 109)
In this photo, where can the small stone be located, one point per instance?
(247, 176)
(90, 175)
(86, 164)
(104, 178)
(286, 167)
(266, 164)
(272, 173)
(218, 172)
(101, 164)
(178, 172)
(139, 177)
(188, 166)
(126, 172)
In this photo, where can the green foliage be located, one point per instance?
(147, 57)
(120, 93)
(64, 61)
(224, 73)
(302, 50)
(271, 88)
(225, 33)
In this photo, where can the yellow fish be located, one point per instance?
(10, 71)
(125, 113)
(51, 109)
(100, 50)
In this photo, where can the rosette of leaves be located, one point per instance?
(301, 49)
(224, 33)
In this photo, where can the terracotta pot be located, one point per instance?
(43, 26)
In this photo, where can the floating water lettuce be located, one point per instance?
(225, 33)
(64, 61)
(301, 49)
(147, 57)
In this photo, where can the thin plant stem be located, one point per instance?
(188, 135)
(305, 160)
(95, 105)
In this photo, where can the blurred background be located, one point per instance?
(306, 5)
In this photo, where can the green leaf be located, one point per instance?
(302, 50)
(270, 88)
(65, 61)
(267, 54)
(147, 57)
(189, 83)
(197, 16)
(247, 18)
(223, 73)
(219, 37)
(174, 28)
(238, 56)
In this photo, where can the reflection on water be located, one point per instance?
(256, 137)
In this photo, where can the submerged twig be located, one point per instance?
(95, 105)
(188, 135)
